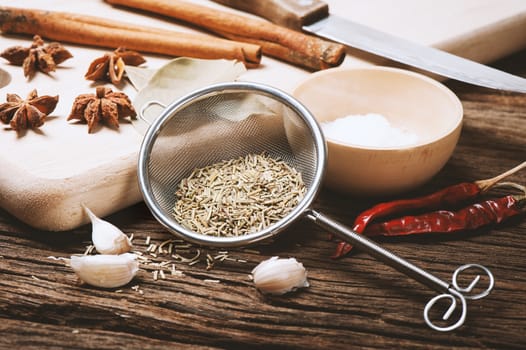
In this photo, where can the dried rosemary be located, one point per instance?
(238, 196)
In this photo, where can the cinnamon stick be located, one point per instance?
(279, 51)
(279, 42)
(95, 31)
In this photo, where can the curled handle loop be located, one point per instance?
(453, 296)
(457, 293)
(148, 105)
(469, 288)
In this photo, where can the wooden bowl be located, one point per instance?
(409, 101)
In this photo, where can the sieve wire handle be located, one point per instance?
(448, 291)
(148, 105)
(378, 252)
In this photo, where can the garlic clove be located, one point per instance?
(279, 276)
(106, 271)
(107, 238)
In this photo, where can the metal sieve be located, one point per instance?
(229, 120)
(218, 123)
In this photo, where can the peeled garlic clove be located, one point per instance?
(107, 238)
(106, 271)
(279, 276)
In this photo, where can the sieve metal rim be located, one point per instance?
(171, 110)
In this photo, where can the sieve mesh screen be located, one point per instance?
(204, 133)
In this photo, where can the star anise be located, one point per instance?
(105, 106)
(37, 57)
(28, 113)
(110, 67)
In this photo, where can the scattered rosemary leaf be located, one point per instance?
(58, 259)
(137, 289)
(89, 249)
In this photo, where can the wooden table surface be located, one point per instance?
(355, 302)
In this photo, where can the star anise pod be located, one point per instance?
(110, 67)
(37, 57)
(105, 106)
(28, 113)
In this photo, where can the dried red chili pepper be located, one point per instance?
(452, 195)
(448, 196)
(492, 211)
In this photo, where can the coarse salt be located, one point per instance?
(372, 130)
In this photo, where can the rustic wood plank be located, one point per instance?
(354, 302)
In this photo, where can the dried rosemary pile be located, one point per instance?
(238, 196)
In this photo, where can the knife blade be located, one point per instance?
(313, 16)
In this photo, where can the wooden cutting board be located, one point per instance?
(47, 173)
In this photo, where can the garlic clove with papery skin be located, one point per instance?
(106, 271)
(107, 238)
(279, 276)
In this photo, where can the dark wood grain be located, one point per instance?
(355, 302)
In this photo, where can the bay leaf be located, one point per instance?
(174, 80)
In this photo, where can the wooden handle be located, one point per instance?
(293, 14)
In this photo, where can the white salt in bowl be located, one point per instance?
(420, 112)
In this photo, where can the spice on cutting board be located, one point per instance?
(111, 66)
(30, 113)
(238, 196)
(97, 31)
(37, 57)
(104, 106)
(368, 130)
(282, 43)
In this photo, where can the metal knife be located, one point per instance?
(313, 16)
